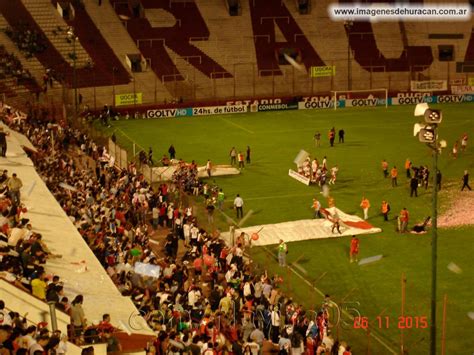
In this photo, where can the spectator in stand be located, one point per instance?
(38, 286)
(113, 345)
(3, 142)
(39, 345)
(78, 319)
(14, 185)
(5, 318)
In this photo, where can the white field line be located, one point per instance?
(237, 125)
(279, 196)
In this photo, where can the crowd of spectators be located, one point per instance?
(27, 39)
(11, 67)
(18, 337)
(206, 297)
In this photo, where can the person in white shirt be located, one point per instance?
(239, 206)
(5, 318)
(193, 297)
(209, 168)
(275, 319)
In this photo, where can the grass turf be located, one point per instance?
(371, 135)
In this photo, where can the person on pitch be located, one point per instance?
(385, 210)
(317, 208)
(354, 253)
(365, 205)
(317, 139)
(282, 251)
(385, 168)
(240, 158)
(335, 223)
(332, 136)
(233, 156)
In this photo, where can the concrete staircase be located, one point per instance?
(55, 28)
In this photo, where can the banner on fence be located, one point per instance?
(219, 110)
(462, 89)
(470, 81)
(129, 99)
(316, 102)
(296, 176)
(169, 112)
(274, 107)
(367, 102)
(445, 99)
(329, 70)
(428, 85)
(411, 98)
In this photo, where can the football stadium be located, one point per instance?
(236, 177)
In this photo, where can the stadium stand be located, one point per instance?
(15, 13)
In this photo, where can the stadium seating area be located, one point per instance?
(99, 71)
(198, 51)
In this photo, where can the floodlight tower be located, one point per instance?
(427, 133)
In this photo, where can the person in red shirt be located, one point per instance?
(404, 217)
(354, 249)
(105, 325)
(348, 351)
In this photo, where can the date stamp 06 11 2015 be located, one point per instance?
(385, 322)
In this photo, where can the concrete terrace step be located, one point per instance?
(48, 19)
(116, 35)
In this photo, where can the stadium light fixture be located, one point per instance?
(433, 116)
(427, 133)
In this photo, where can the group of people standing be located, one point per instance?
(318, 172)
(239, 157)
(331, 135)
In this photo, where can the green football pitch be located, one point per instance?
(372, 134)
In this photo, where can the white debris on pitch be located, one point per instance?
(370, 259)
(454, 268)
(471, 315)
(306, 229)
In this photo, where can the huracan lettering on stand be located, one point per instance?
(266, 14)
(361, 38)
(153, 42)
